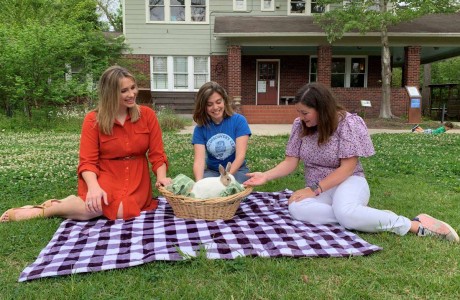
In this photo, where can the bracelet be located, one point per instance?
(320, 187)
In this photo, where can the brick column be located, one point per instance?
(234, 71)
(411, 76)
(324, 64)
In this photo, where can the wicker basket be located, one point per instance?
(208, 209)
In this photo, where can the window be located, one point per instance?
(358, 72)
(346, 71)
(200, 71)
(267, 5)
(187, 11)
(160, 73)
(239, 5)
(179, 73)
(313, 69)
(198, 8)
(338, 73)
(305, 7)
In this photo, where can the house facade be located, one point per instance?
(263, 51)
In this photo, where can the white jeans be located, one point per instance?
(346, 204)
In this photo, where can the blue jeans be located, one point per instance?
(240, 175)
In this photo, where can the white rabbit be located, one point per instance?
(211, 187)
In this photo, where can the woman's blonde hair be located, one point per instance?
(201, 101)
(109, 91)
(319, 97)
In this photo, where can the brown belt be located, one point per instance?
(127, 157)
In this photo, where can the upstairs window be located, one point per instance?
(178, 11)
(267, 5)
(305, 7)
(239, 5)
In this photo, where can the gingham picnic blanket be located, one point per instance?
(262, 227)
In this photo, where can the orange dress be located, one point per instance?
(120, 162)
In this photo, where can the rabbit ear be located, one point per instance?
(221, 170)
(229, 165)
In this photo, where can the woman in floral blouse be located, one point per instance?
(329, 141)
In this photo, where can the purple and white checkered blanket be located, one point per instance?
(261, 227)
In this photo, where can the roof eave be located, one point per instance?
(320, 34)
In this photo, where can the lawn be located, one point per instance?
(409, 174)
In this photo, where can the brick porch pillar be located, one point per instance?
(412, 66)
(324, 64)
(234, 72)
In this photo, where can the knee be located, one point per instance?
(300, 212)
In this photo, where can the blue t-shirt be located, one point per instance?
(220, 140)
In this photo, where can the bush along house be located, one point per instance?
(263, 51)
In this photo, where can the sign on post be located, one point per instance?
(415, 105)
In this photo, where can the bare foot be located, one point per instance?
(22, 213)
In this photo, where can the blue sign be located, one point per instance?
(415, 103)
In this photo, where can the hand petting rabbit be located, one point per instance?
(211, 187)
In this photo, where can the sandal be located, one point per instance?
(11, 213)
(49, 203)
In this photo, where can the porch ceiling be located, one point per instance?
(429, 54)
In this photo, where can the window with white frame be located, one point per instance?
(179, 73)
(187, 11)
(346, 71)
(305, 7)
(200, 71)
(267, 5)
(239, 5)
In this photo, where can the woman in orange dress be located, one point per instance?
(117, 139)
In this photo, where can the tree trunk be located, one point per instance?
(385, 106)
(426, 89)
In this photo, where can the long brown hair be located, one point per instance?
(109, 91)
(317, 96)
(201, 101)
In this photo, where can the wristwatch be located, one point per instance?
(315, 188)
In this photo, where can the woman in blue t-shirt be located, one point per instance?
(221, 136)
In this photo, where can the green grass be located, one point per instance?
(409, 174)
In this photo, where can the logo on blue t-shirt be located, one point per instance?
(221, 146)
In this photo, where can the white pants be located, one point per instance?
(346, 204)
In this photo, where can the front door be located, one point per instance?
(267, 82)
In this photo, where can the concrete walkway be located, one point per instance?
(280, 129)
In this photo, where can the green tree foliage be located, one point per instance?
(41, 43)
(446, 71)
(376, 16)
(112, 10)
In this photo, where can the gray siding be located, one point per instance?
(184, 39)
